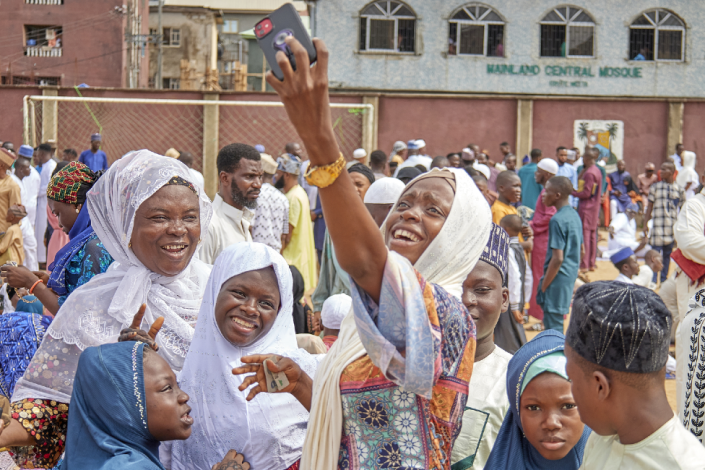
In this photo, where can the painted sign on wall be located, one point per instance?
(606, 136)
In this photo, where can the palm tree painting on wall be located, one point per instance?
(606, 136)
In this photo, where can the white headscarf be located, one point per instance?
(687, 173)
(447, 262)
(270, 429)
(95, 313)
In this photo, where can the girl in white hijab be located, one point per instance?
(160, 270)
(687, 176)
(269, 430)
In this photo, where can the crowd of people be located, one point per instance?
(364, 311)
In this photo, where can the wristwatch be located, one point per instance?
(324, 176)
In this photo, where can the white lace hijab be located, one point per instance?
(95, 313)
(270, 429)
(447, 261)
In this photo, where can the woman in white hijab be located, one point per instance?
(391, 390)
(687, 176)
(269, 430)
(149, 217)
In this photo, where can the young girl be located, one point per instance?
(125, 401)
(543, 428)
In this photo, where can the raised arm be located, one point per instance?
(360, 248)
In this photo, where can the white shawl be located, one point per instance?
(447, 261)
(95, 313)
(269, 430)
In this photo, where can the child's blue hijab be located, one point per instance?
(512, 451)
(108, 416)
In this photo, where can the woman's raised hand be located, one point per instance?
(232, 461)
(300, 384)
(134, 333)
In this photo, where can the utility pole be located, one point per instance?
(158, 82)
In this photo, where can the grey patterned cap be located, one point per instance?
(288, 165)
(623, 327)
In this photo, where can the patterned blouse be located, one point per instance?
(385, 426)
(90, 260)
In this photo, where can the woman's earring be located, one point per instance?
(77, 210)
(129, 245)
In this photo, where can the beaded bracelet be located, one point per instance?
(31, 289)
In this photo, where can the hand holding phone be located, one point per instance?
(272, 31)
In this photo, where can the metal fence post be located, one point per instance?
(370, 127)
(211, 124)
(50, 116)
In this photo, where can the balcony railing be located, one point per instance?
(42, 51)
(45, 2)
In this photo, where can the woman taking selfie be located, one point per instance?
(384, 395)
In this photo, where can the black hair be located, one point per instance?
(58, 168)
(453, 153)
(504, 143)
(440, 162)
(229, 156)
(561, 148)
(422, 168)
(471, 171)
(44, 147)
(378, 158)
(536, 153)
(364, 170)
(637, 380)
(22, 158)
(504, 177)
(512, 222)
(563, 184)
(186, 158)
(71, 152)
(478, 177)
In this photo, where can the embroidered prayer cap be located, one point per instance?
(179, 181)
(96, 137)
(497, 250)
(25, 151)
(268, 164)
(384, 191)
(632, 207)
(334, 310)
(549, 165)
(259, 148)
(420, 143)
(289, 165)
(7, 157)
(623, 327)
(412, 145)
(621, 255)
(71, 184)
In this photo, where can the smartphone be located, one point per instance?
(272, 31)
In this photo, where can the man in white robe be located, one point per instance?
(45, 166)
(622, 234)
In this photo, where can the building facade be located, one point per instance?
(622, 75)
(68, 43)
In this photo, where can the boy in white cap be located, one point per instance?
(381, 196)
(360, 155)
(334, 310)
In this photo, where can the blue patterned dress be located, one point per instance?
(90, 260)
(21, 333)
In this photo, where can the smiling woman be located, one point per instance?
(149, 217)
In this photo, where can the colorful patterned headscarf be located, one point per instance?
(71, 184)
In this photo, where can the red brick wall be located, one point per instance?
(93, 41)
(694, 132)
(645, 127)
(447, 124)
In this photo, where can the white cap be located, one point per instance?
(420, 143)
(384, 191)
(359, 153)
(548, 165)
(482, 168)
(334, 310)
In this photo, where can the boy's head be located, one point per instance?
(510, 161)
(485, 294)
(508, 186)
(625, 261)
(654, 260)
(558, 189)
(480, 182)
(617, 346)
(512, 224)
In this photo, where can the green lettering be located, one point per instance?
(587, 72)
(511, 70)
(490, 68)
(522, 70)
(637, 72)
(603, 71)
(535, 69)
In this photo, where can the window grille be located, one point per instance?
(567, 32)
(389, 26)
(657, 35)
(476, 30)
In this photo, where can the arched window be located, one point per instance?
(658, 31)
(567, 32)
(476, 30)
(387, 25)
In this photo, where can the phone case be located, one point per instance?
(285, 21)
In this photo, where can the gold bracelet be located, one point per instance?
(324, 176)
